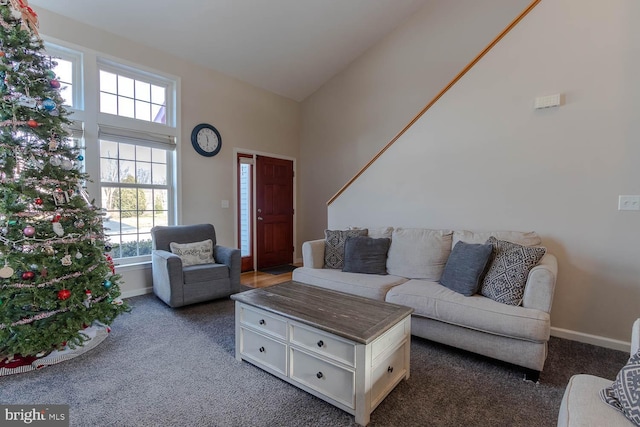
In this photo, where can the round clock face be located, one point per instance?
(206, 140)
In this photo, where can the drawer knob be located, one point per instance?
(319, 375)
(261, 349)
(390, 369)
(320, 343)
(262, 322)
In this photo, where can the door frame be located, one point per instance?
(254, 220)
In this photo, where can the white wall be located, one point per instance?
(247, 118)
(354, 115)
(483, 159)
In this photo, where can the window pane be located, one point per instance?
(143, 111)
(108, 82)
(66, 93)
(144, 245)
(158, 94)
(158, 155)
(108, 149)
(158, 174)
(143, 153)
(127, 171)
(111, 202)
(143, 91)
(125, 87)
(128, 151)
(160, 200)
(108, 103)
(64, 70)
(145, 213)
(126, 107)
(143, 173)
(158, 114)
(108, 170)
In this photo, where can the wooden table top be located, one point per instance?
(353, 317)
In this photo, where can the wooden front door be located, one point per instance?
(274, 211)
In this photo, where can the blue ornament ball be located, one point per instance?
(80, 157)
(107, 284)
(48, 104)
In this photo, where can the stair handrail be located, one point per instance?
(464, 71)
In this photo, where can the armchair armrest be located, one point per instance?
(232, 259)
(541, 284)
(313, 253)
(167, 277)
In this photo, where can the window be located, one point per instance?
(128, 148)
(132, 97)
(135, 181)
(68, 70)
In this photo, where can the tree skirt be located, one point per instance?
(19, 364)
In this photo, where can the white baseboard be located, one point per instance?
(591, 339)
(136, 292)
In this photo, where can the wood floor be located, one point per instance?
(257, 279)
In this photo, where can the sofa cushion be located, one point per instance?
(194, 253)
(527, 238)
(334, 246)
(419, 253)
(624, 394)
(434, 301)
(366, 285)
(366, 255)
(507, 275)
(465, 266)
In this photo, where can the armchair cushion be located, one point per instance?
(194, 253)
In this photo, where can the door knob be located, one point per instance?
(259, 218)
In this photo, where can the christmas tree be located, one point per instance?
(56, 277)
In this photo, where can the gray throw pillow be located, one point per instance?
(507, 276)
(624, 393)
(366, 255)
(334, 246)
(465, 267)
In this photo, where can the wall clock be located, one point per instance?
(206, 140)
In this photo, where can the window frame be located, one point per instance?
(77, 65)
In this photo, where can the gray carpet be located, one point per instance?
(176, 367)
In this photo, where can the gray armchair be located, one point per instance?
(179, 285)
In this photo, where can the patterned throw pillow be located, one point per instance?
(194, 253)
(334, 246)
(624, 393)
(507, 275)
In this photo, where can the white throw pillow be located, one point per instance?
(528, 238)
(419, 253)
(194, 253)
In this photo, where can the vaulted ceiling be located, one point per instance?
(289, 47)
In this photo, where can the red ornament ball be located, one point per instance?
(32, 123)
(29, 231)
(28, 275)
(54, 83)
(64, 294)
(38, 201)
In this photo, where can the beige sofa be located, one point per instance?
(514, 334)
(581, 405)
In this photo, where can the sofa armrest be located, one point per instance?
(541, 284)
(313, 253)
(635, 337)
(233, 260)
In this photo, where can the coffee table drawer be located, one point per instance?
(263, 321)
(324, 344)
(326, 378)
(263, 350)
(387, 373)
